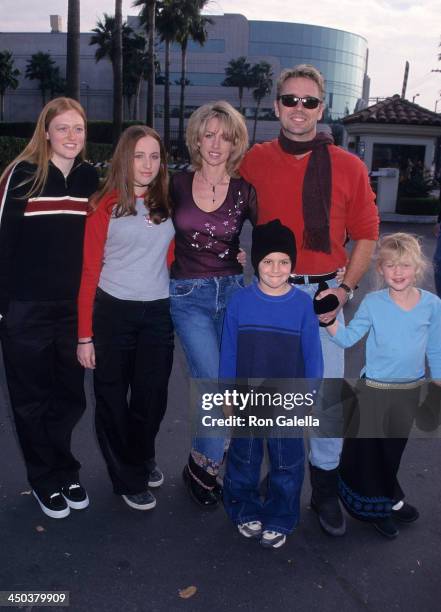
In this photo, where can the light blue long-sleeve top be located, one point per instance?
(398, 340)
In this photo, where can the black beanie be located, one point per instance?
(272, 237)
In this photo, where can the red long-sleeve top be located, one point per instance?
(278, 179)
(97, 225)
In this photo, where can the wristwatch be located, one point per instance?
(349, 291)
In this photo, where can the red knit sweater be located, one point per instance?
(278, 180)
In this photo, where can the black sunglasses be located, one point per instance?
(291, 100)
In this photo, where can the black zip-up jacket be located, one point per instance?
(41, 237)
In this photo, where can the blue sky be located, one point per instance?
(396, 30)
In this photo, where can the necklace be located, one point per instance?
(214, 185)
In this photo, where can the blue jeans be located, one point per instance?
(280, 510)
(324, 453)
(198, 307)
(437, 265)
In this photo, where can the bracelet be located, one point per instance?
(85, 342)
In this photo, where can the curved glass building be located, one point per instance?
(340, 56)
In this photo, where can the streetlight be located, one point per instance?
(436, 104)
(415, 96)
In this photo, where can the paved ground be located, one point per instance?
(112, 558)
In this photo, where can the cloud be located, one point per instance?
(398, 5)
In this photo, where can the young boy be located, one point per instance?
(270, 331)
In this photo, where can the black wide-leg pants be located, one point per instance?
(46, 387)
(134, 356)
(369, 485)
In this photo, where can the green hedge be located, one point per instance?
(18, 129)
(11, 147)
(98, 152)
(97, 131)
(418, 206)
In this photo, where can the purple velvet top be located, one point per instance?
(207, 243)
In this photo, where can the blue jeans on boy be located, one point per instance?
(280, 509)
(198, 307)
(325, 452)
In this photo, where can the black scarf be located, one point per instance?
(317, 189)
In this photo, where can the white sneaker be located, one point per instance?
(252, 529)
(272, 539)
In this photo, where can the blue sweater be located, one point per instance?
(270, 336)
(398, 340)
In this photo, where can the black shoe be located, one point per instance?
(75, 496)
(330, 516)
(386, 527)
(206, 498)
(218, 491)
(406, 514)
(156, 477)
(52, 504)
(140, 501)
(324, 500)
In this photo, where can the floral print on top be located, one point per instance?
(207, 243)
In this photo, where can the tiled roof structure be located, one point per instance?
(395, 110)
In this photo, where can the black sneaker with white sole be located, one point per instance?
(75, 495)
(52, 504)
(141, 501)
(156, 477)
(405, 514)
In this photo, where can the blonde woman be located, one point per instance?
(42, 216)
(210, 207)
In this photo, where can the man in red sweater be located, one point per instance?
(322, 193)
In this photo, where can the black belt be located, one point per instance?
(309, 279)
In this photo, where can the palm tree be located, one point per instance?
(147, 18)
(73, 50)
(193, 26)
(117, 74)
(167, 24)
(57, 84)
(135, 61)
(8, 78)
(238, 75)
(261, 78)
(104, 37)
(41, 67)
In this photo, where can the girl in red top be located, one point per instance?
(125, 329)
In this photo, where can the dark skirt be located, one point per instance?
(369, 465)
